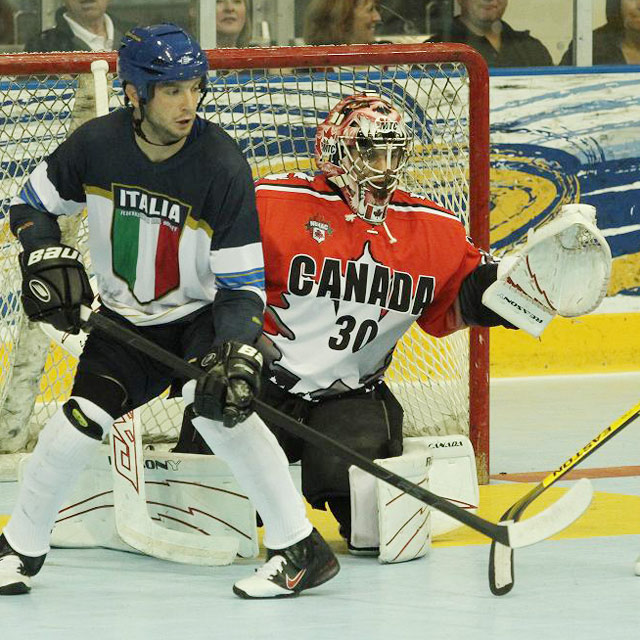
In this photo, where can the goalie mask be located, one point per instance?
(362, 147)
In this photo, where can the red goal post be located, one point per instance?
(270, 100)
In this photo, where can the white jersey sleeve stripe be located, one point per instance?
(30, 197)
(239, 267)
(46, 194)
(254, 277)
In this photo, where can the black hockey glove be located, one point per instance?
(232, 379)
(54, 285)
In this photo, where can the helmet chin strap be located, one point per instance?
(137, 127)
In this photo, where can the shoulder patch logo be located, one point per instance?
(319, 229)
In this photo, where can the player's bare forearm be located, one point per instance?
(32, 227)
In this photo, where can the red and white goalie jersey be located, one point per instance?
(341, 292)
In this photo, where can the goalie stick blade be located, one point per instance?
(175, 546)
(501, 572)
(500, 569)
(552, 520)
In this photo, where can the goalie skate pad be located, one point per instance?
(386, 517)
(563, 269)
(451, 473)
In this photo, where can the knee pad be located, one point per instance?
(103, 392)
(87, 417)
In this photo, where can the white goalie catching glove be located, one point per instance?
(563, 270)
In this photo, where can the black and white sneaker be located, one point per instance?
(16, 570)
(289, 571)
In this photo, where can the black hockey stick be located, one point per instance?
(554, 519)
(501, 577)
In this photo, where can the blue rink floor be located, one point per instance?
(578, 587)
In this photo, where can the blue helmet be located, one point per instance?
(159, 53)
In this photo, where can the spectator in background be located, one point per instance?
(402, 17)
(6, 21)
(341, 21)
(233, 23)
(81, 25)
(480, 25)
(618, 40)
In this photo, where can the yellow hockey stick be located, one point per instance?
(501, 557)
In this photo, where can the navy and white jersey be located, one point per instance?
(164, 237)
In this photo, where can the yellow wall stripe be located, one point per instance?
(599, 343)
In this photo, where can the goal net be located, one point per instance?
(270, 101)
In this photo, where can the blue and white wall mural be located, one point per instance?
(560, 137)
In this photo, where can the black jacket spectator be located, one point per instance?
(606, 47)
(519, 48)
(6, 21)
(621, 27)
(61, 38)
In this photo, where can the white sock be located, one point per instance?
(261, 468)
(51, 471)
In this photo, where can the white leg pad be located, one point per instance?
(364, 509)
(404, 521)
(385, 517)
(453, 475)
(185, 492)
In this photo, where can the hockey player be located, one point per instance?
(351, 261)
(175, 246)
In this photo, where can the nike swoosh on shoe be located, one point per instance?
(293, 582)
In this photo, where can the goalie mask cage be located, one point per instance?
(270, 101)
